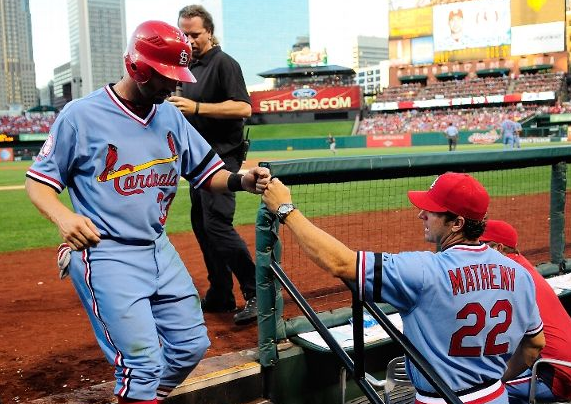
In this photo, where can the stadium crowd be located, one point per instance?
(478, 86)
(33, 123)
(484, 118)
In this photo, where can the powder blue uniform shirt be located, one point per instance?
(122, 171)
(466, 308)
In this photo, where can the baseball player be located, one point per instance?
(508, 129)
(518, 129)
(468, 308)
(555, 382)
(451, 133)
(120, 151)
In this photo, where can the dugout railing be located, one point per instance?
(516, 177)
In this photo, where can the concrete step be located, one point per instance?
(233, 378)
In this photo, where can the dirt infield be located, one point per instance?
(47, 344)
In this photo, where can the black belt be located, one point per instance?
(459, 392)
(138, 242)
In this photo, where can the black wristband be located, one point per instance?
(235, 182)
(196, 108)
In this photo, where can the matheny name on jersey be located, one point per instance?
(481, 277)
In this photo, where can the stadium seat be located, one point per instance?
(536, 365)
(396, 387)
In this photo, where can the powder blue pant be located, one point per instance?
(145, 312)
(518, 390)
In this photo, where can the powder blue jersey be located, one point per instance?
(121, 170)
(465, 309)
(508, 127)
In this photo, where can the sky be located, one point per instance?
(333, 25)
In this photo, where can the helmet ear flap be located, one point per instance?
(139, 70)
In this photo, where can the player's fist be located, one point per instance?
(256, 180)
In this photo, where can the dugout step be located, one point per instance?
(233, 378)
(399, 395)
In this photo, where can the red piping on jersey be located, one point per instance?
(519, 381)
(144, 122)
(49, 179)
(208, 173)
(481, 248)
(362, 274)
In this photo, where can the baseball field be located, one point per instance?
(48, 347)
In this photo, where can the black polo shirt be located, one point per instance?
(218, 78)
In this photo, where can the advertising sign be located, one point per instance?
(410, 23)
(527, 12)
(489, 52)
(538, 38)
(6, 154)
(33, 137)
(473, 24)
(422, 50)
(397, 140)
(306, 99)
(399, 52)
(402, 4)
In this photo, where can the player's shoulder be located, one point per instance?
(79, 104)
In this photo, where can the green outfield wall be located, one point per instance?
(388, 140)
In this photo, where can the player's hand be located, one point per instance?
(256, 180)
(78, 231)
(275, 194)
(184, 105)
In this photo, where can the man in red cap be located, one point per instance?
(467, 308)
(555, 383)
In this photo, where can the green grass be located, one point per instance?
(24, 228)
(300, 130)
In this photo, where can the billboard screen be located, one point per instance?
(538, 38)
(462, 55)
(306, 99)
(403, 4)
(410, 23)
(399, 52)
(474, 24)
(422, 50)
(527, 12)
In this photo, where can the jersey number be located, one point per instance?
(490, 346)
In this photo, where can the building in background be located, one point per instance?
(46, 94)
(97, 39)
(62, 84)
(259, 34)
(17, 70)
(373, 79)
(369, 51)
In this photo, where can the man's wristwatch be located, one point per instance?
(284, 210)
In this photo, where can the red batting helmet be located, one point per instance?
(159, 46)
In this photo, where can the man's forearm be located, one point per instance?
(322, 248)
(46, 200)
(225, 110)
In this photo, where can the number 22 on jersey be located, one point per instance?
(501, 309)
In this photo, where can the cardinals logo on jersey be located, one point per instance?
(125, 179)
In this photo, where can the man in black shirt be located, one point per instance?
(216, 105)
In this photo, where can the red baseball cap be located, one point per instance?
(500, 232)
(458, 193)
